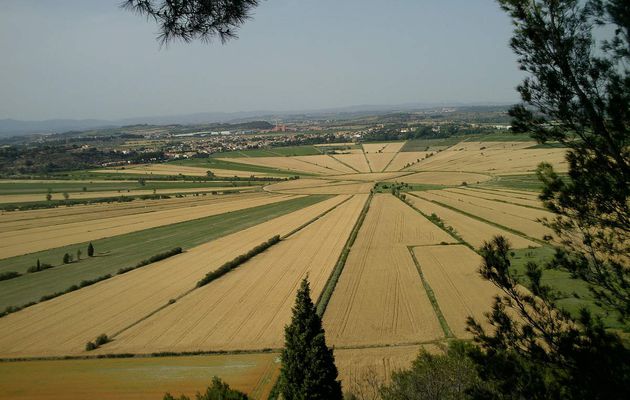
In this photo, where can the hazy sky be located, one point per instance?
(90, 59)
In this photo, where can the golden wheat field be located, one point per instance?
(401, 272)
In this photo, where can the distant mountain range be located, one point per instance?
(12, 127)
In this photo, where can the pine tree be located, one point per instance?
(308, 365)
(90, 250)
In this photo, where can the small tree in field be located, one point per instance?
(308, 365)
(90, 250)
(48, 196)
(67, 258)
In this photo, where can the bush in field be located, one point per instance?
(67, 258)
(39, 267)
(100, 340)
(9, 275)
(90, 251)
(218, 391)
(230, 265)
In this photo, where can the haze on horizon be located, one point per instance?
(90, 59)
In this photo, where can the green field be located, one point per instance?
(27, 187)
(573, 294)
(126, 250)
(136, 378)
(431, 144)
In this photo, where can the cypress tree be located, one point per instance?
(308, 365)
(90, 250)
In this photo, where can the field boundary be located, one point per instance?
(307, 223)
(429, 291)
(341, 162)
(505, 228)
(186, 293)
(452, 232)
(331, 283)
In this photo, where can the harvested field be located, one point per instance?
(114, 304)
(493, 157)
(505, 197)
(521, 193)
(373, 177)
(473, 231)
(378, 161)
(17, 220)
(402, 160)
(300, 184)
(123, 251)
(23, 198)
(452, 273)
(379, 298)
(357, 367)
(393, 147)
(520, 219)
(285, 163)
(356, 161)
(442, 178)
(249, 307)
(345, 188)
(172, 169)
(136, 378)
(328, 162)
(13, 243)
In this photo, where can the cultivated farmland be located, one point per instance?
(115, 304)
(451, 272)
(248, 308)
(379, 298)
(398, 277)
